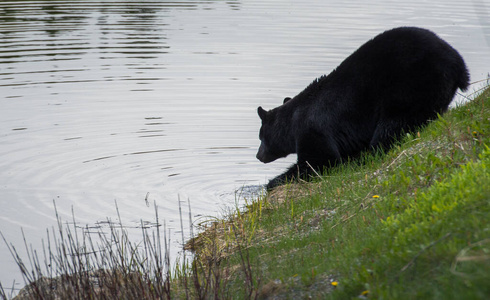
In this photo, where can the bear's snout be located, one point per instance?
(263, 156)
(260, 154)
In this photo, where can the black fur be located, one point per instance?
(394, 83)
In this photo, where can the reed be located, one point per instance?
(80, 264)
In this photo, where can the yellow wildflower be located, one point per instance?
(335, 283)
(375, 196)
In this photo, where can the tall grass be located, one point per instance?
(79, 265)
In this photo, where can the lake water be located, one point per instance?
(136, 101)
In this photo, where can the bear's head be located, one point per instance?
(271, 137)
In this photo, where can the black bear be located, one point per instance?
(394, 83)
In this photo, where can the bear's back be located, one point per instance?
(405, 71)
(402, 77)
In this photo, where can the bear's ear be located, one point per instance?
(262, 113)
(286, 100)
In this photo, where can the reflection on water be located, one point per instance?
(148, 101)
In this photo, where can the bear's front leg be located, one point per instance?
(315, 153)
(301, 170)
(290, 175)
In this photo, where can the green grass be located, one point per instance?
(410, 224)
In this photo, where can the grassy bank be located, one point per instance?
(413, 223)
(410, 224)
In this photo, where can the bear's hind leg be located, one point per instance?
(386, 133)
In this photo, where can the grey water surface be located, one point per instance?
(144, 102)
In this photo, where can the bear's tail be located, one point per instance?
(463, 76)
